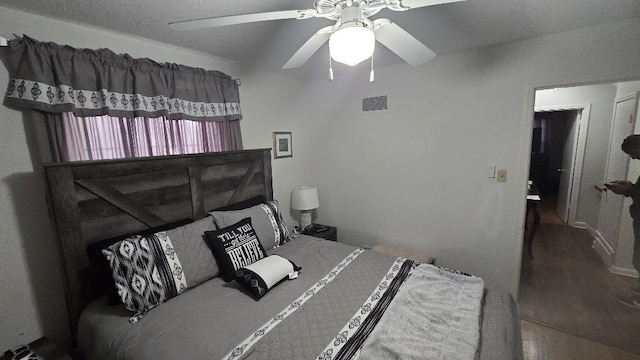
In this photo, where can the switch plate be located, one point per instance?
(502, 175)
(492, 171)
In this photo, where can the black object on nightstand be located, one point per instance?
(322, 231)
(43, 348)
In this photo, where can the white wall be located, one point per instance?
(272, 103)
(31, 293)
(627, 88)
(416, 175)
(601, 98)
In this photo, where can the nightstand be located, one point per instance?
(331, 234)
(45, 349)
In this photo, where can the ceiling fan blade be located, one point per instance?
(309, 48)
(401, 42)
(241, 19)
(412, 4)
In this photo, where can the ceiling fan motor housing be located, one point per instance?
(353, 16)
(331, 9)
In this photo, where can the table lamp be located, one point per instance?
(305, 199)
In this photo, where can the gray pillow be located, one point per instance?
(197, 260)
(266, 220)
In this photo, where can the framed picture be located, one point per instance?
(282, 146)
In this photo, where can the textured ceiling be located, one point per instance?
(444, 28)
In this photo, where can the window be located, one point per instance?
(106, 137)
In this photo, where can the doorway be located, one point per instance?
(567, 286)
(555, 162)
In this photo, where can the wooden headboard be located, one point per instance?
(95, 200)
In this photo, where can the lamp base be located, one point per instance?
(305, 219)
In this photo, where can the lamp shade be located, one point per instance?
(304, 198)
(352, 44)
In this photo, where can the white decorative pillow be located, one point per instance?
(266, 220)
(261, 276)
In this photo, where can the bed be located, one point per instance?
(344, 302)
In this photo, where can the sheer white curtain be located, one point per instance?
(105, 137)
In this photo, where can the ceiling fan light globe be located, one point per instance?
(352, 45)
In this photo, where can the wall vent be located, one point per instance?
(376, 103)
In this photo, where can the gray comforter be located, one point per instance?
(211, 320)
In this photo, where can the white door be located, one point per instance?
(568, 165)
(624, 112)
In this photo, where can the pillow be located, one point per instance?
(244, 204)
(259, 277)
(99, 269)
(148, 270)
(198, 263)
(266, 219)
(235, 246)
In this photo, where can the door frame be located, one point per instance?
(601, 244)
(578, 152)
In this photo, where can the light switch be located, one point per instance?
(502, 175)
(492, 171)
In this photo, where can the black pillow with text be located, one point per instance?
(234, 247)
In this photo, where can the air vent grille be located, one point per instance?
(376, 103)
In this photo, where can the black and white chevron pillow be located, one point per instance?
(146, 271)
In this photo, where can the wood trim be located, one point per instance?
(121, 201)
(195, 185)
(629, 272)
(70, 243)
(119, 167)
(246, 179)
(268, 186)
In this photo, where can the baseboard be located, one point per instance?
(600, 245)
(624, 271)
(605, 251)
(581, 225)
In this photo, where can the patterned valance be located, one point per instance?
(55, 78)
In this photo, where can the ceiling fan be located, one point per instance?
(351, 39)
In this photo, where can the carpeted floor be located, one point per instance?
(567, 287)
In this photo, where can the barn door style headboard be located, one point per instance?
(92, 201)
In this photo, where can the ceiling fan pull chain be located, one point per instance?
(330, 68)
(372, 74)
